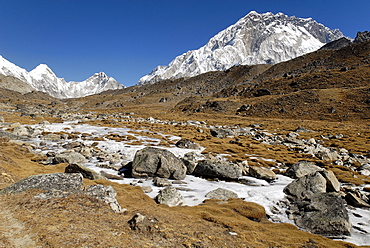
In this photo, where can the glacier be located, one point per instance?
(254, 39)
(42, 78)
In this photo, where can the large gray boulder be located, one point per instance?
(169, 196)
(106, 194)
(217, 169)
(262, 173)
(155, 162)
(324, 214)
(301, 169)
(54, 181)
(307, 186)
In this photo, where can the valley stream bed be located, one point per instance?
(193, 189)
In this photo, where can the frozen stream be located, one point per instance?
(193, 189)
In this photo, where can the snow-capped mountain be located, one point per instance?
(254, 39)
(42, 78)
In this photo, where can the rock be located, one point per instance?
(301, 169)
(262, 92)
(169, 196)
(302, 130)
(337, 44)
(110, 176)
(221, 194)
(54, 181)
(353, 200)
(217, 169)
(222, 133)
(141, 223)
(190, 162)
(262, 173)
(69, 158)
(325, 214)
(155, 162)
(362, 37)
(306, 186)
(187, 144)
(106, 194)
(244, 107)
(327, 155)
(332, 183)
(85, 172)
(161, 182)
(11, 136)
(26, 131)
(147, 189)
(73, 144)
(364, 169)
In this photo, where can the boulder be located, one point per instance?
(155, 162)
(54, 181)
(142, 223)
(218, 169)
(69, 158)
(332, 183)
(221, 194)
(325, 214)
(222, 133)
(364, 169)
(301, 169)
(106, 194)
(307, 186)
(262, 173)
(161, 182)
(169, 196)
(187, 144)
(356, 201)
(85, 172)
(110, 176)
(190, 162)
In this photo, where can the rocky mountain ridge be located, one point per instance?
(43, 79)
(255, 39)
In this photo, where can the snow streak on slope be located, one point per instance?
(42, 78)
(254, 39)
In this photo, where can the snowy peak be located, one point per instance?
(254, 39)
(42, 78)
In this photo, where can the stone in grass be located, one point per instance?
(221, 194)
(161, 182)
(169, 196)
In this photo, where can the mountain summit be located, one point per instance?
(42, 78)
(255, 39)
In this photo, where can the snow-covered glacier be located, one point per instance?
(255, 39)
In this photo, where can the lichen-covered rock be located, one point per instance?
(106, 194)
(155, 162)
(169, 196)
(161, 182)
(222, 133)
(218, 169)
(189, 160)
(306, 186)
(221, 194)
(188, 144)
(54, 181)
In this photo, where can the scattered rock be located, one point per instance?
(302, 130)
(262, 173)
(190, 162)
(106, 194)
(353, 200)
(141, 223)
(221, 194)
(332, 183)
(85, 172)
(161, 182)
(147, 189)
(69, 158)
(218, 169)
(222, 133)
(188, 144)
(155, 162)
(110, 176)
(306, 186)
(169, 196)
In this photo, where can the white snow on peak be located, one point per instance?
(265, 38)
(42, 78)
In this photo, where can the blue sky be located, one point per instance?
(127, 39)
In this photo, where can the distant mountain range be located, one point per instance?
(42, 78)
(255, 39)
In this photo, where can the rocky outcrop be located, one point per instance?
(362, 36)
(155, 162)
(218, 169)
(337, 44)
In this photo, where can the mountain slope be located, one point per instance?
(254, 39)
(43, 79)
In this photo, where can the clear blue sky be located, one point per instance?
(127, 39)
